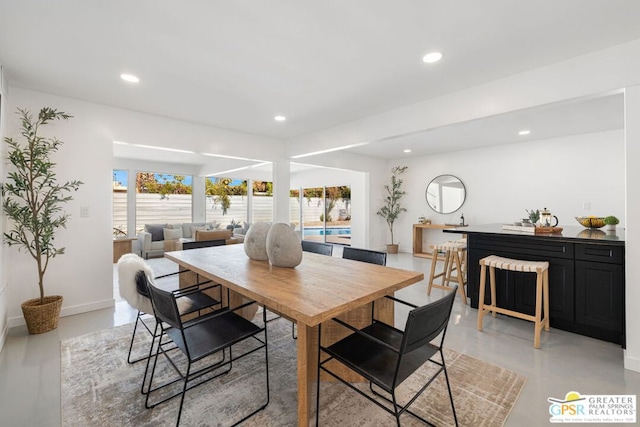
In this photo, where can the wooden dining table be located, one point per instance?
(318, 289)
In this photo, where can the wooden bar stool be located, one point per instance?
(455, 255)
(541, 268)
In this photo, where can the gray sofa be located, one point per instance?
(158, 238)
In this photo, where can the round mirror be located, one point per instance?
(445, 194)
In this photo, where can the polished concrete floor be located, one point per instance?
(30, 365)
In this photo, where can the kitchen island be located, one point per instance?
(586, 275)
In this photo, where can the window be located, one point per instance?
(262, 201)
(227, 201)
(162, 199)
(120, 179)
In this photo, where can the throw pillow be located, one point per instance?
(156, 231)
(175, 226)
(172, 234)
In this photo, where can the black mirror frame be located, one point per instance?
(464, 188)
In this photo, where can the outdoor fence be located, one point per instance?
(176, 208)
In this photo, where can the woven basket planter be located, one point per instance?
(42, 318)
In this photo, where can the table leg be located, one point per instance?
(307, 373)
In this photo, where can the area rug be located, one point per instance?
(99, 388)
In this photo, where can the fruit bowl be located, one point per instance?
(591, 221)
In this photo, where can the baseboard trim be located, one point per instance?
(631, 363)
(68, 311)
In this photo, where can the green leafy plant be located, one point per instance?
(392, 208)
(534, 216)
(219, 192)
(32, 196)
(611, 220)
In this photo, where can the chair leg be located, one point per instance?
(446, 273)
(538, 320)
(146, 369)
(483, 283)
(492, 284)
(460, 276)
(396, 413)
(446, 376)
(153, 370)
(133, 336)
(184, 391)
(434, 261)
(545, 294)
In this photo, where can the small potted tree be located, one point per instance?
(32, 200)
(392, 208)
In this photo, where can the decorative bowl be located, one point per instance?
(591, 221)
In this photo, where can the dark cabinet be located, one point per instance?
(516, 291)
(599, 288)
(586, 281)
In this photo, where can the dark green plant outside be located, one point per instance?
(32, 196)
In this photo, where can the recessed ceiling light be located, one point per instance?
(432, 57)
(130, 78)
(279, 118)
(407, 151)
(524, 132)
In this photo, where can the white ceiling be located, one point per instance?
(237, 64)
(596, 114)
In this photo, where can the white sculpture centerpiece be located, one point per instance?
(277, 243)
(255, 242)
(283, 246)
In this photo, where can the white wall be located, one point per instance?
(80, 275)
(632, 294)
(502, 181)
(4, 326)
(84, 274)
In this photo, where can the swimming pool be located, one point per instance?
(319, 231)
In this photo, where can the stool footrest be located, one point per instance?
(506, 311)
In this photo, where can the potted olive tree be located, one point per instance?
(32, 200)
(392, 208)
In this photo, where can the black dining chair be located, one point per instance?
(365, 255)
(386, 356)
(198, 340)
(133, 287)
(317, 247)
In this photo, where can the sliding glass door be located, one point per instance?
(325, 214)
